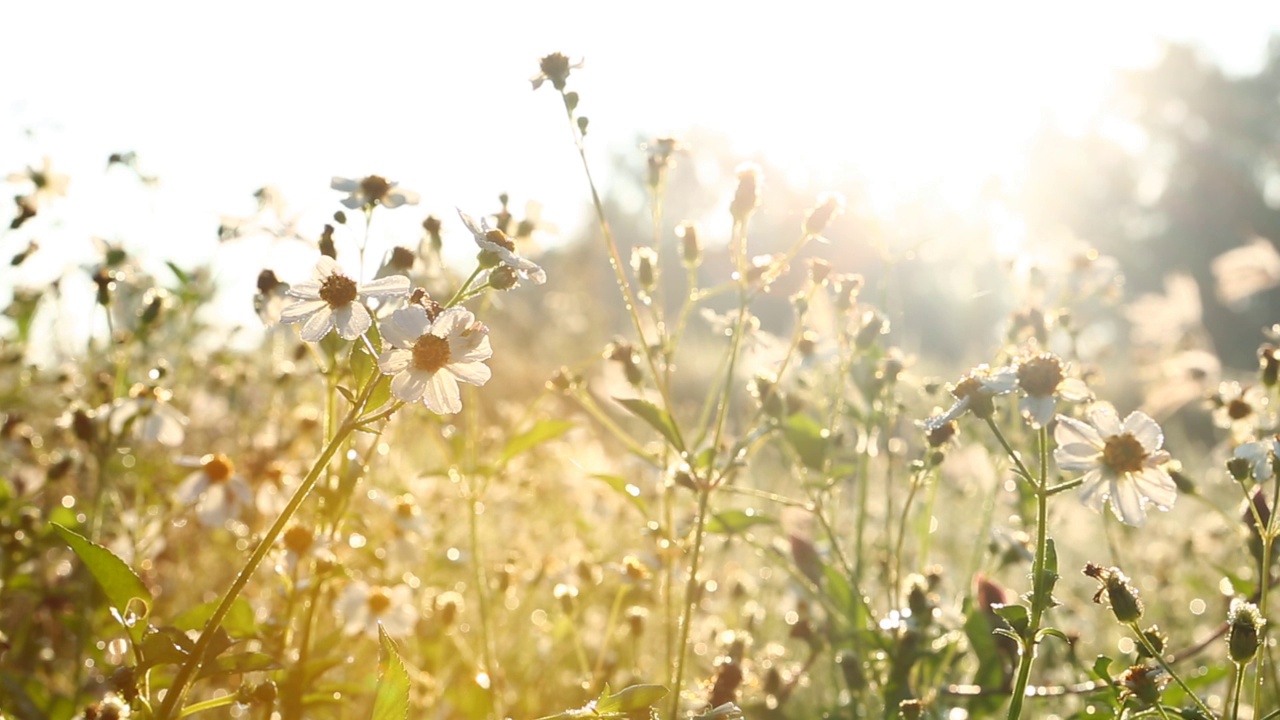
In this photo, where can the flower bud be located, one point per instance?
(690, 249)
(747, 197)
(1121, 596)
(1244, 629)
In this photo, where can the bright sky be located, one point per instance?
(219, 99)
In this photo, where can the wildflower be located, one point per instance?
(830, 205)
(554, 67)
(1244, 627)
(1042, 378)
(48, 184)
(1121, 462)
(332, 300)
(373, 190)
(1121, 595)
(152, 418)
(690, 248)
(975, 393)
(216, 490)
(1239, 408)
(501, 249)
(428, 357)
(1246, 270)
(747, 197)
(1144, 682)
(1260, 456)
(364, 607)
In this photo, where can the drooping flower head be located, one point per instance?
(331, 300)
(976, 393)
(554, 67)
(427, 358)
(496, 248)
(372, 190)
(1121, 462)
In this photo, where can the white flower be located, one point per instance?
(1042, 378)
(976, 392)
(216, 490)
(428, 357)
(48, 184)
(152, 419)
(1240, 408)
(373, 190)
(493, 240)
(332, 300)
(363, 607)
(1121, 462)
(1260, 455)
(1246, 270)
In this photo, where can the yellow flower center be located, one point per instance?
(338, 290)
(430, 353)
(374, 188)
(218, 468)
(1040, 376)
(1123, 454)
(298, 539)
(497, 237)
(378, 602)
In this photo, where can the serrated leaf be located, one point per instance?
(541, 432)
(1015, 615)
(731, 522)
(119, 582)
(238, 623)
(656, 417)
(808, 439)
(1102, 668)
(636, 697)
(625, 489)
(165, 646)
(392, 700)
(1051, 557)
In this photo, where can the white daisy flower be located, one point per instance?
(364, 607)
(331, 300)
(493, 240)
(373, 190)
(1121, 462)
(976, 392)
(1042, 378)
(217, 491)
(1260, 455)
(428, 357)
(150, 416)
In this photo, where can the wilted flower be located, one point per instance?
(1121, 462)
(1043, 379)
(373, 190)
(151, 416)
(428, 357)
(554, 67)
(1121, 595)
(364, 607)
(216, 490)
(493, 240)
(332, 300)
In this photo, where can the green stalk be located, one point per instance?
(1239, 690)
(187, 673)
(1039, 594)
(1159, 658)
(691, 600)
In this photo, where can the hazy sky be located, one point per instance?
(219, 99)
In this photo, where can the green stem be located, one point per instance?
(1159, 658)
(691, 593)
(1239, 690)
(1039, 591)
(215, 703)
(1264, 578)
(186, 674)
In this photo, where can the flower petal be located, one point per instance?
(325, 267)
(352, 321)
(394, 360)
(1074, 390)
(1144, 430)
(452, 322)
(442, 395)
(409, 385)
(344, 184)
(470, 222)
(1038, 410)
(1094, 491)
(1070, 431)
(1103, 417)
(1157, 486)
(386, 287)
(1127, 501)
(405, 326)
(318, 325)
(473, 373)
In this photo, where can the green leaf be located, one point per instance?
(165, 646)
(977, 628)
(237, 663)
(344, 392)
(636, 697)
(657, 418)
(731, 522)
(625, 489)
(123, 588)
(392, 700)
(1015, 615)
(1053, 632)
(381, 393)
(541, 432)
(238, 623)
(808, 438)
(1102, 668)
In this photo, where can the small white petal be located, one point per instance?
(353, 202)
(1126, 502)
(405, 326)
(352, 321)
(1103, 417)
(306, 290)
(1094, 491)
(318, 325)
(473, 373)
(386, 287)
(1144, 430)
(442, 395)
(1074, 390)
(409, 385)
(191, 488)
(1070, 431)
(394, 360)
(325, 267)
(300, 309)
(1039, 410)
(344, 184)
(1157, 486)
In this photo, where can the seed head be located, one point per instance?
(1244, 630)
(1121, 596)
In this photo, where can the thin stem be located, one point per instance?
(1159, 658)
(186, 674)
(1238, 691)
(691, 599)
(1039, 591)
